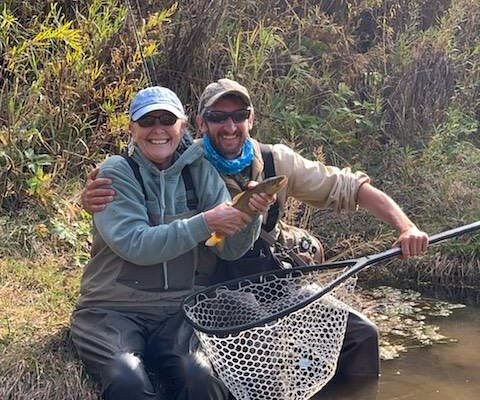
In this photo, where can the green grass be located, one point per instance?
(37, 359)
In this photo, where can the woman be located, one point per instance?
(145, 252)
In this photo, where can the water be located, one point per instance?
(440, 372)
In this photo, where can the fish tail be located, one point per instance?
(216, 240)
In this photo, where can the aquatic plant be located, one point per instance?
(404, 319)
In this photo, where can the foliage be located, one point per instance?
(67, 72)
(384, 86)
(387, 86)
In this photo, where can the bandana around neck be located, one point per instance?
(224, 165)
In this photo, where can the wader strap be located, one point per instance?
(192, 199)
(269, 171)
(136, 171)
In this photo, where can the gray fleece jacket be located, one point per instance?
(136, 262)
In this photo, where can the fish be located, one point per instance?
(269, 186)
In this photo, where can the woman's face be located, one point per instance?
(158, 135)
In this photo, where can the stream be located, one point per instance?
(442, 371)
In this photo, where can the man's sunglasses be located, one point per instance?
(218, 117)
(166, 119)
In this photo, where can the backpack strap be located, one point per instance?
(192, 199)
(269, 171)
(267, 156)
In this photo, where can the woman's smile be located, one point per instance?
(158, 142)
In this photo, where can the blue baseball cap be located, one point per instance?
(155, 98)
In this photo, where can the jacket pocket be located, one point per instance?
(180, 274)
(153, 212)
(142, 277)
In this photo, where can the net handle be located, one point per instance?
(356, 265)
(364, 262)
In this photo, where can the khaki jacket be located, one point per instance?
(319, 185)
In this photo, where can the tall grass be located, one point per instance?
(67, 72)
(365, 83)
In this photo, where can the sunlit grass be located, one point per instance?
(37, 360)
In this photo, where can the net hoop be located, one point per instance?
(192, 301)
(278, 335)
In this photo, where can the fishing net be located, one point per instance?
(275, 335)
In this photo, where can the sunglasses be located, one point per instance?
(166, 119)
(218, 117)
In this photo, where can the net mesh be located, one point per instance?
(289, 357)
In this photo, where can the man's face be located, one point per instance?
(227, 136)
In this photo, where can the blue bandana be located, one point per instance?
(224, 165)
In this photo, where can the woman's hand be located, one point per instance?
(226, 220)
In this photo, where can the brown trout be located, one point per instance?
(269, 186)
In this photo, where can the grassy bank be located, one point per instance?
(384, 86)
(37, 358)
(38, 361)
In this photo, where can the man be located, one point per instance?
(225, 118)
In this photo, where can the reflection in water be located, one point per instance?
(456, 294)
(355, 390)
(440, 372)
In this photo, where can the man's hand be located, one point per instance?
(96, 194)
(226, 220)
(412, 241)
(260, 202)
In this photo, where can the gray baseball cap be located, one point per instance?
(220, 88)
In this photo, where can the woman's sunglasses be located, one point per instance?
(166, 119)
(218, 117)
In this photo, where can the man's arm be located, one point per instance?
(411, 240)
(98, 192)
(323, 186)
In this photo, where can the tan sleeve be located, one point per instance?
(317, 184)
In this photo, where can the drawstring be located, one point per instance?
(195, 258)
(165, 275)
